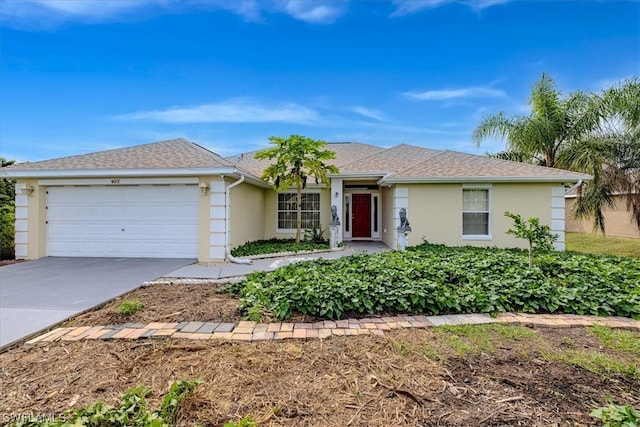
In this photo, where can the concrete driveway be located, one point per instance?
(37, 294)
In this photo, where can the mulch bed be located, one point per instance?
(408, 377)
(343, 381)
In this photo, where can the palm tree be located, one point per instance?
(611, 155)
(295, 160)
(598, 134)
(554, 121)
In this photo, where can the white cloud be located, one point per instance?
(444, 94)
(368, 112)
(315, 11)
(231, 111)
(86, 9)
(45, 14)
(406, 7)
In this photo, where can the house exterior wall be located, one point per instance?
(435, 212)
(270, 213)
(247, 210)
(31, 228)
(617, 219)
(388, 225)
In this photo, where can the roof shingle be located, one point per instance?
(174, 153)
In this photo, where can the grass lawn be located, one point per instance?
(598, 244)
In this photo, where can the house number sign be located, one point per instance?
(115, 181)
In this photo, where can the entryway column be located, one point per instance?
(400, 201)
(337, 200)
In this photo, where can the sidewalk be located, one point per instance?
(228, 269)
(251, 331)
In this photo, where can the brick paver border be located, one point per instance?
(252, 331)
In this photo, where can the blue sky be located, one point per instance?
(88, 75)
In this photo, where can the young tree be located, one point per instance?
(294, 160)
(539, 236)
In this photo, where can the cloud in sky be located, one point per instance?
(315, 11)
(232, 111)
(461, 93)
(406, 7)
(368, 112)
(36, 14)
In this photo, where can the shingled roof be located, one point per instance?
(174, 153)
(345, 152)
(452, 165)
(400, 163)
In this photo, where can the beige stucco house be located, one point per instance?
(617, 218)
(175, 199)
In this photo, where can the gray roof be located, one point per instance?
(174, 153)
(400, 163)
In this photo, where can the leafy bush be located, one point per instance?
(614, 415)
(130, 306)
(274, 246)
(435, 279)
(315, 235)
(133, 410)
(7, 214)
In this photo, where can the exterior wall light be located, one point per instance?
(27, 190)
(204, 188)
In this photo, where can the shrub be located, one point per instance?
(434, 279)
(274, 246)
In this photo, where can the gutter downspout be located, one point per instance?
(227, 220)
(573, 187)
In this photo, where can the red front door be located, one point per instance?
(361, 220)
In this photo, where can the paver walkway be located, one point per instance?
(252, 331)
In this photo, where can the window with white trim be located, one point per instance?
(287, 212)
(475, 212)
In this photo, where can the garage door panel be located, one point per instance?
(123, 221)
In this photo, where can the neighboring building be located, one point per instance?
(617, 219)
(177, 199)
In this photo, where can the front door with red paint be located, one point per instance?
(361, 220)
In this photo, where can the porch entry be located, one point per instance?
(361, 217)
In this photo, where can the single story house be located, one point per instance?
(177, 199)
(617, 218)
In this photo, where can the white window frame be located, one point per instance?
(293, 230)
(488, 188)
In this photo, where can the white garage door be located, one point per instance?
(146, 221)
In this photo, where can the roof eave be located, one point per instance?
(461, 179)
(358, 175)
(102, 173)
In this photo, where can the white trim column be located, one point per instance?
(400, 200)
(22, 223)
(557, 216)
(217, 219)
(337, 200)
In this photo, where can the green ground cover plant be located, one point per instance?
(435, 279)
(130, 307)
(614, 415)
(274, 246)
(133, 410)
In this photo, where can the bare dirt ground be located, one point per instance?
(432, 377)
(167, 303)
